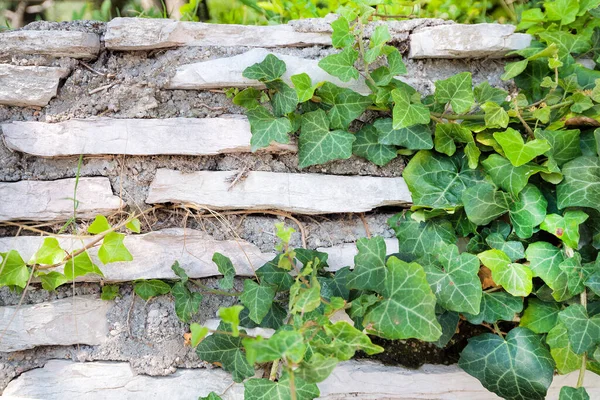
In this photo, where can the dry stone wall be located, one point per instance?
(142, 102)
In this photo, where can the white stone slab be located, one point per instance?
(146, 34)
(53, 43)
(297, 193)
(29, 86)
(227, 72)
(76, 320)
(354, 379)
(183, 136)
(466, 41)
(53, 200)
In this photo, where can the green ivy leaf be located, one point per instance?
(405, 113)
(565, 227)
(577, 273)
(513, 69)
(343, 105)
(495, 116)
(341, 35)
(394, 59)
(567, 43)
(273, 275)
(284, 98)
(366, 145)
(274, 318)
(484, 93)
(317, 144)
(564, 145)
(516, 279)
(565, 358)
(347, 340)
(49, 253)
(516, 150)
(496, 306)
(226, 349)
(186, 302)
(408, 306)
(369, 264)
(81, 265)
(483, 203)
(303, 85)
(265, 389)
(226, 269)
(13, 270)
(199, 332)
(593, 282)
(109, 292)
(99, 225)
(269, 69)
(448, 320)
(266, 128)
(258, 298)
(447, 134)
(147, 289)
(341, 65)
(544, 261)
(571, 393)
(317, 369)
(517, 368)
(248, 98)
(583, 332)
(305, 299)
(288, 345)
(564, 11)
(416, 238)
(438, 181)
(416, 137)
(506, 176)
(231, 316)
(180, 272)
(456, 90)
(581, 102)
(113, 249)
(581, 184)
(134, 225)
(539, 316)
(527, 211)
(513, 249)
(52, 280)
(454, 281)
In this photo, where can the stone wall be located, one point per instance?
(143, 102)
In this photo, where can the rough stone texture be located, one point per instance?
(361, 380)
(146, 34)
(53, 200)
(54, 43)
(297, 193)
(178, 136)
(79, 320)
(466, 41)
(29, 86)
(227, 72)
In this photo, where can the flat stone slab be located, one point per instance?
(154, 253)
(353, 379)
(147, 34)
(29, 86)
(466, 41)
(173, 136)
(53, 200)
(72, 44)
(227, 72)
(75, 320)
(296, 193)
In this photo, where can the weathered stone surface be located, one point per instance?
(213, 324)
(29, 86)
(145, 34)
(297, 193)
(76, 320)
(154, 253)
(53, 200)
(227, 72)
(355, 379)
(183, 136)
(54, 43)
(466, 41)
(116, 380)
(369, 380)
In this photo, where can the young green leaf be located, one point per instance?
(571, 393)
(13, 270)
(341, 65)
(506, 176)
(366, 145)
(248, 98)
(287, 345)
(405, 113)
(269, 69)
(317, 369)
(565, 227)
(539, 316)
(273, 275)
(186, 302)
(565, 358)
(516, 150)
(284, 98)
(527, 211)
(564, 11)
(113, 249)
(496, 306)
(516, 279)
(81, 265)
(456, 90)
(513, 69)
(447, 134)
(225, 267)
(266, 128)
(379, 38)
(416, 137)
(147, 289)
(49, 253)
(583, 331)
(99, 225)
(343, 105)
(258, 298)
(495, 116)
(484, 93)
(264, 389)
(134, 225)
(303, 86)
(581, 185)
(518, 367)
(305, 299)
(369, 265)
(483, 203)
(408, 306)
(199, 332)
(52, 280)
(109, 292)
(211, 396)
(348, 340)
(341, 36)
(231, 316)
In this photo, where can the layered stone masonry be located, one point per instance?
(29, 86)
(57, 43)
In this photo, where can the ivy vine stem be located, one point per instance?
(580, 378)
(361, 48)
(209, 290)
